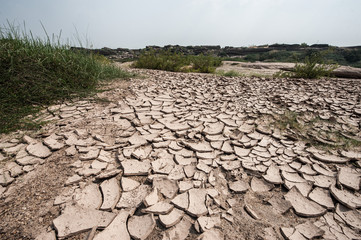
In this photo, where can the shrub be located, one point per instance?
(176, 62)
(36, 72)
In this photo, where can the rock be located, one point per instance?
(152, 198)
(168, 188)
(129, 184)
(181, 201)
(75, 220)
(133, 199)
(302, 205)
(172, 218)
(330, 158)
(260, 185)
(238, 186)
(53, 144)
(197, 198)
(349, 178)
(280, 204)
(241, 152)
(303, 187)
(199, 147)
(142, 152)
(98, 165)
(140, 227)
(159, 208)
(214, 128)
(207, 223)
(351, 217)
(185, 186)
(71, 151)
(137, 140)
(273, 175)
(309, 230)
(117, 229)
(164, 164)
(38, 150)
(251, 212)
(108, 174)
(111, 194)
(5, 178)
(89, 197)
(213, 234)
(73, 179)
(92, 154)
(345, 197)
(322, 197)
(203, 167)
(46, 236)
(29, 160)
(135, 167)
(180, 231)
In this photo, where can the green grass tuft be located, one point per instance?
(36, 72)
(177, 62)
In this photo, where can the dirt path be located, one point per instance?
(186, 156)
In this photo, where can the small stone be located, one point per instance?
(302, 205)
(38, 150)
(111, 194)
(345, 197)
(349, 178)
(197, 198)
(206, 223)
(117, 229)
(71, 151)
(89, 197)
(159, 208)
(168, 188)
(172, 218)
(73, 179)
(152, 198)
(140, 227)
(180, 231)
(75, 219)
(189, 170)
(135, 167)
(213, 234)
(199, 147)
(241, 152)
(260, 185)
(98, 165)
(92, 154)
(330, 158)
(322, 197)
(309, 230)
(29, 160)
(129, 184)
(53, 144)
(133, 199)
(280, 204)
(273, 175)
(46, 236)
(181, 201)
(351, 217)
(6, 179)
(251, 212)
(238, 186)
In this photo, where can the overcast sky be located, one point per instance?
(138, 23)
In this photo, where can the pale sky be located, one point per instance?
(139, 23)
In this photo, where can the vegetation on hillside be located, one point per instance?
(346, 57)
(177, 62)
(35, 72)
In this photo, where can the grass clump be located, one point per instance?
(313, 67)
(36, 72)
(177, 62)
(230, 73)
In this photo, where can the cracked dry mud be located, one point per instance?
(189, 156)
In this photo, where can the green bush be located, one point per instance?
(313, 67)
(36, 72)
(176, 62)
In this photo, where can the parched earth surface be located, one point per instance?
(190, 156)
